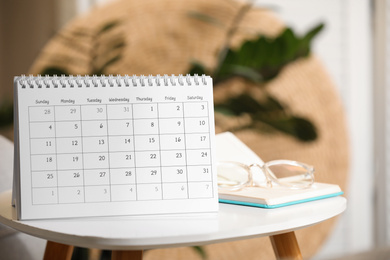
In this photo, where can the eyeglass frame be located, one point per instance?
(269, 175)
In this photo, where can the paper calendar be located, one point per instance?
(99, 146)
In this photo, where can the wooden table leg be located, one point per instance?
(286, 246)
(126, 255)
(57, 251)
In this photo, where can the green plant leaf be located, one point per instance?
(103, 50)
(52, 71)
(264, 55)
(245, 103)
(223, 110)
(291, 44)
(270, 112)
(306, 40)
(6, 113)
(298, 127)
(206, 18)
(101, 69)
(242, 71)
(70, 40)
(81, 32)
(118, 45)
(200, 251)
(108, 26)
(197, 68)
(273, 104)
(111, 47)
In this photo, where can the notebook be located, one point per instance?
(115, 145)
(230, 148)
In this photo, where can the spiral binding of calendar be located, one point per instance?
(110, 81)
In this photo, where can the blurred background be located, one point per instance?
(353, 48)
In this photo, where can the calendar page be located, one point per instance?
(99, 146)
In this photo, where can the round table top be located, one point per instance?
(232, 222)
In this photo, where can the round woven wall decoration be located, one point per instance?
(161, 37)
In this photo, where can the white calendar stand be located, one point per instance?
(99, 146)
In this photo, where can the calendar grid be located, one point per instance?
(77, 130)
(112, 135)
(159, 150)
(31, 175)
(82, 153)
(97, 185)
(138, 167)
(108, 156)
(86, 120)
(55, 148)
(185, 148)
(135, 156)
(121, 151)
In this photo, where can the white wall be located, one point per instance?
(345, 49)
(382, 120)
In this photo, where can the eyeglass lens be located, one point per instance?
(290, 175)
(232, 175)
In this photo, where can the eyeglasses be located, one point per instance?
(290, 174)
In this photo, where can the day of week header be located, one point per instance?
(194, 98)
(119, 100)
(144, 99)
(67, 101)
(94, 100)
(42, 102)
(170, 98)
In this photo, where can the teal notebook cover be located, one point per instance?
(251, 204)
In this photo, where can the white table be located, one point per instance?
(128, 236)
